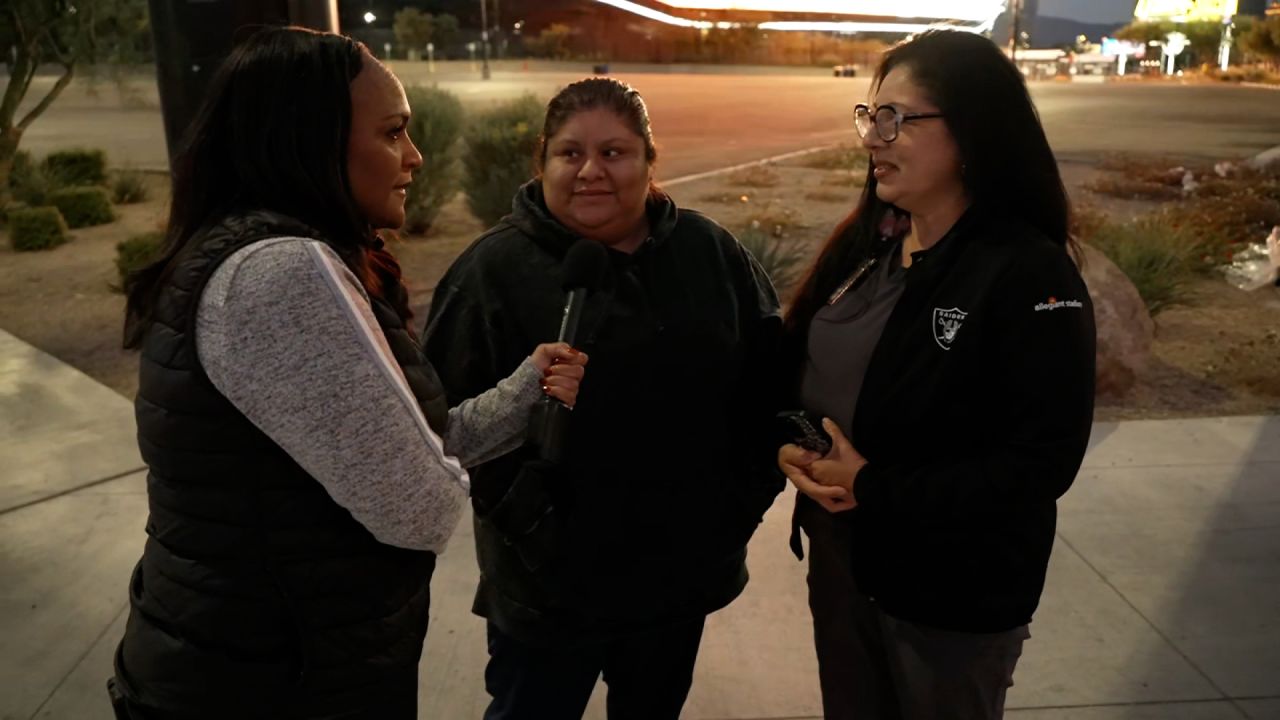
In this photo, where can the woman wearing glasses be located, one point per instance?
(947, 340)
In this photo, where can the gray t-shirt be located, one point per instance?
(843, 336)
(286, 332)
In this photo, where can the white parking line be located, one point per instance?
(721, 171)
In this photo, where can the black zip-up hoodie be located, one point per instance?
(668, 469)
(974, 415)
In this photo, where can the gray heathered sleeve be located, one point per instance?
(494, 423)
(286, 333)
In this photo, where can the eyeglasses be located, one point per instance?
(887, 120)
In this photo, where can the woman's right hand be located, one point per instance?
(794, 461)
(562, 369)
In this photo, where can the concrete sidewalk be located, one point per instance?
(1163, 599)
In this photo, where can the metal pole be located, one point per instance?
(484, 40)
(1017, 29)
(315, 14)
(193, 37)
(497, 25)
(1224, 49)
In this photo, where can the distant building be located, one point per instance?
(1184, 10)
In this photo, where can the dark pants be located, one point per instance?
(400, 706)
(875, 667)
(648, 675)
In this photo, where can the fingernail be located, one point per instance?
(574, 351)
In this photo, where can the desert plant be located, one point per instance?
(499, 158)
(128, 187)
(843, 157)
(756, 176)
(828, 196)
(1160, 259)
(1225, 222)
(83, 206)
(780, 256)
(136, 253)
(70, 168)
(435, 129)
(38, 228)
(1129, 188)
(29, 181)
(768, 235)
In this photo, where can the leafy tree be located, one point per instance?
(413, 28)
(62, 33)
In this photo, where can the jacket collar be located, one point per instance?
(530, 215)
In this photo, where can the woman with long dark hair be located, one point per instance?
(945, 341)
(304, 469)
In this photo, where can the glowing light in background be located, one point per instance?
(965, 10)
(857, 27)
(652, 14)
(927, 9)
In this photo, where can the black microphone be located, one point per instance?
(582, 273)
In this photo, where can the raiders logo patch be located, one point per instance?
(946, 325)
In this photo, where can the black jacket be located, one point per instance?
(975, 415)
(667, 472)
(257, 595)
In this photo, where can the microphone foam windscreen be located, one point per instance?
(584, 266)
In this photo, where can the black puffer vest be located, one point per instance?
(257, 595)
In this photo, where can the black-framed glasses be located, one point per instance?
(886, 119)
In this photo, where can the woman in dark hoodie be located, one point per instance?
(610, 560)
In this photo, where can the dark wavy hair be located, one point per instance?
(272, 134)
(1007, 160)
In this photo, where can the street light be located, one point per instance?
(369, 17)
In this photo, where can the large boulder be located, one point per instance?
(1125, 329)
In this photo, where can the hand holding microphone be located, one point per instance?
(562, 369)
(582, 272)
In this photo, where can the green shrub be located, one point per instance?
(500, 146)
(435, 129)
(1160, 259)
(10, 208)
(21, 169)
(38, 228)
(70, 168)
(136, 253)
(29, 182)
(83, 206)
(128, 187)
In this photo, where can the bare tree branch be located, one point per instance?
(22, 70)
(49, 97)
